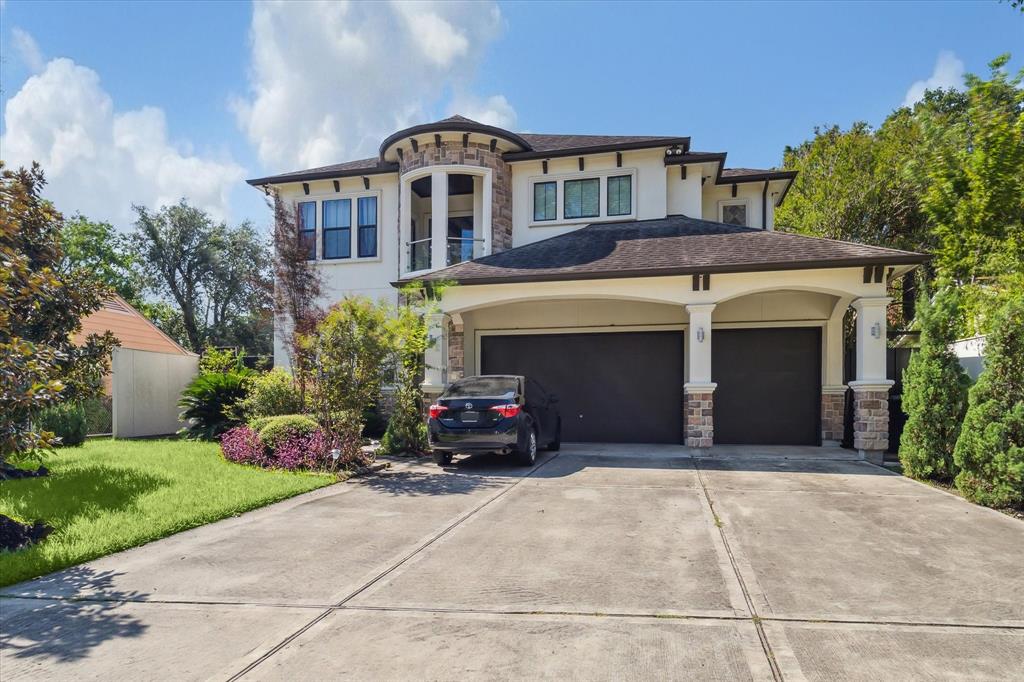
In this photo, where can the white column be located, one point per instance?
(435, 374)
(698, 347)
(404, 224)
(832, 363)
(485, 213)
(478, 215)
(439, 219)
(871, 327)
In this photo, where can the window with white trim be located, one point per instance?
(337, 228)
(367, 227)
(605, 194)
(734, 212)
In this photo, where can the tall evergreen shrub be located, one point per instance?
(934, 392)
(990, 451)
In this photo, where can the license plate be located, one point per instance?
(470, 416)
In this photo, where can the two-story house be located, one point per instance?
(639, 280)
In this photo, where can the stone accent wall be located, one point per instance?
(833, 410)
(456, 353)
(871, 423)
(699, 420)
(475, 154)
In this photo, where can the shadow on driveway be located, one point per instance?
(63, 631)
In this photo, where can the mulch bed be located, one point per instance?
(16, 535)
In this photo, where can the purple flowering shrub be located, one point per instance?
(242, 445)
(294, 451)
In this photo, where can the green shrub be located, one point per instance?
(258, 423)
(66, 420)
(407, 428)
(220, 361)
(270, 394)
(208, 403)
(990, 451)
(277, 429)
(375, 422)
(934, 393)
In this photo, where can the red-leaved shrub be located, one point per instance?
(242, 445)
(295, 451)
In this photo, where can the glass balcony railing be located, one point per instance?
(419, 255)
(461, 249)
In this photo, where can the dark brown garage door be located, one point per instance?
(769, 386)
(618, 388)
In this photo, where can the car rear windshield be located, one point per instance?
(483, 387)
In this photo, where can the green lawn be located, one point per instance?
(109, 495)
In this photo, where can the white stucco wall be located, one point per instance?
(650, 192)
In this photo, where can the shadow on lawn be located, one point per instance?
(68, 630)
(62, 496)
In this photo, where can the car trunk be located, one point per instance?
(470, 413)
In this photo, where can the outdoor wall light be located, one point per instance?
(700, 334)
(335, 454)
(876, 330)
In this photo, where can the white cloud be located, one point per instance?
(948, 73)
(330, 80)
(100, 161)
(494, 111)
(27, 49)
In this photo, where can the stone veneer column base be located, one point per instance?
(833, 411)
(456, 353)
(699, 413)
(871, 419)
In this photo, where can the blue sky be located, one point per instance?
(150, 101)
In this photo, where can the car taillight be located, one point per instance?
(509, 410)
(436, 410)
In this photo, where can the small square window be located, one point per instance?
(582, 198)
(620, 195)
(734, 214)
(544, 201)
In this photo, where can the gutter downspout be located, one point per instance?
(764, 206)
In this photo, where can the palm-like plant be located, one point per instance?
(208, 401)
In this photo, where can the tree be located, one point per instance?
(934, 392)
(348, 353)
(98, 248)
(973, 172)
(297, 289)
(41, 308)
(990, 450)
(216, 277)
(407, 430)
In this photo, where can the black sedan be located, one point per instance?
(496, 413)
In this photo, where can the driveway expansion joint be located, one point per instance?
(383, 574)
(761, 634)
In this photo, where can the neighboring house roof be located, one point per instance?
(130, 327)
(669, 246)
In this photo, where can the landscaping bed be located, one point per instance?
(110, 495)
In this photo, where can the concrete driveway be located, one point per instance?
(602, 562)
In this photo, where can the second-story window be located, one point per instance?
(337, 228)
(620, 195)
(733, 212)
(307, 227)
(544, 204)
(582, 198)
(367, 227)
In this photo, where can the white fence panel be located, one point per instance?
(146, 388)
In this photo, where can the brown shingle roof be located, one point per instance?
(668, 246)
(371, 166)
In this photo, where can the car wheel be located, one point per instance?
(556, 444)
(442, 458)
(528, 453)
